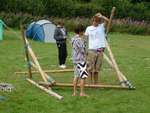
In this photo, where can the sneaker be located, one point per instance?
(62, 66)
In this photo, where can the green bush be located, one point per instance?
(136, 30)
(130, 26)
(60, 8)
(74, 8)
(125, 8)
(14, 20)
(120, 25)
(35, 7)
(86, 10)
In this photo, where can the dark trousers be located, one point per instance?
(62, 52)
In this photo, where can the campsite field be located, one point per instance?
(133, 56)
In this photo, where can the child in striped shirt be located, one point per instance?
(79, 56)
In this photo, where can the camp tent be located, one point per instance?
(42, 30)
(2, 24)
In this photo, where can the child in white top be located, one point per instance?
(96, 45)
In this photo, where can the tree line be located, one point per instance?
(134, 9)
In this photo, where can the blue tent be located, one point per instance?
(42, 30)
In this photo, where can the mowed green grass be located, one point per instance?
(133, 56)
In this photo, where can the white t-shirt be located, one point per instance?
(96, 36)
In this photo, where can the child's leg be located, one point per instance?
(95, 78)
(90, 65)
(82, 83)
(75, 82)
(98, 65)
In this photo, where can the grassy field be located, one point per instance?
(132, 54)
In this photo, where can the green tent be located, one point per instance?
(2, 24)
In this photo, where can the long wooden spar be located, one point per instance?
(37, 66)
(35, 62)
(109, 49)
(123, 80)
(26, 53)
(48, 71)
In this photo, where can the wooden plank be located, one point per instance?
(49, 91)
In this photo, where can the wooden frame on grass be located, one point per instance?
(48, 82)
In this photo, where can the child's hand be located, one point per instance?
(98, 14)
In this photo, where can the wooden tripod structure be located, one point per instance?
(48, 82)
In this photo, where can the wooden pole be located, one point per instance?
(43, 74)
(48, 71)
(110, 20)
(119, 75)
(114, 64)
(86, 85)
(111, 64)
(48, 77)
(35, 60)
(49, 91)
(91, 86)
(26, 52)
(108, 60)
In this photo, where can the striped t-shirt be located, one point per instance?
(78, 49)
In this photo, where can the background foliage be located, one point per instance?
(15, 11)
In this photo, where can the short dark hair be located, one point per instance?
(60, 22)
(96, 19)
(79, 28)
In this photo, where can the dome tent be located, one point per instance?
(42, 30)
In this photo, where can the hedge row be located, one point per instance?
(119, 25)
(75, 8)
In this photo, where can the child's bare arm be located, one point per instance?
(106, 20)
